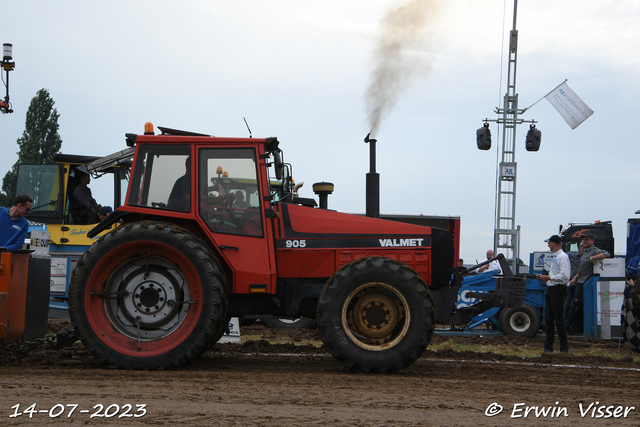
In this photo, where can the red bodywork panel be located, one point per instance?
(13, 294)
(315, 242)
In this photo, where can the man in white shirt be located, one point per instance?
(556, 294)
(493, 265)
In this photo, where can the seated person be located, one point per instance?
(240, 203)
(86, 209)
(221, 198)
(179, 198)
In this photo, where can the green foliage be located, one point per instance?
(38, 143)
(520, 263)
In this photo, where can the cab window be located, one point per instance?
(162, 178)
(228, 194)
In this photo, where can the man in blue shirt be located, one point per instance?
(556, 295)
(13, 224)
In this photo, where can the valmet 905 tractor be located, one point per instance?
(204, 236)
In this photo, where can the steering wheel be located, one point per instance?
(227, 201)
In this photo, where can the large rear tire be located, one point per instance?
(148, 295)
(376, 315)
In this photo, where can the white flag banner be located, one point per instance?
(569, 105)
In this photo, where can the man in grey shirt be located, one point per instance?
(589, 257)
(574, 259)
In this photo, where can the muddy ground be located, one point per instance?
(260, 384)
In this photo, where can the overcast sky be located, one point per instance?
(300, 71)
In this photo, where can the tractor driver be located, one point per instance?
(240, 202)
(210, 204)
(179, 196)
(85, 208)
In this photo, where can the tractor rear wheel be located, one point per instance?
(376, 315)
(148, 295)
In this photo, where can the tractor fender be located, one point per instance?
(108, 222)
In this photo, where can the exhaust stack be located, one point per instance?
(373, 181)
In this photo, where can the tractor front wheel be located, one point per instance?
(376, 315)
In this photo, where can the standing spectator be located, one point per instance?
(574, 259)
(629, 280)
(460, 268)
(13, 224)
(556, 294)
(589, 257)
(493, 265)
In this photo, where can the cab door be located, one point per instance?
(231, 206)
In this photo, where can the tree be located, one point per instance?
(38, 143)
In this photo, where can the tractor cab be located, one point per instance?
(52, 189)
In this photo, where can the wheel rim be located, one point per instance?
(147, 305)
(520, 322)
(152, 287)
(376, 316)
(290, 321)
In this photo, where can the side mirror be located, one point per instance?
(277, 164)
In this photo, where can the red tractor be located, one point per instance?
(210, 229)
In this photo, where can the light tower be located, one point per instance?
(506, 233)
(7, 65)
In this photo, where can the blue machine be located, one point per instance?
(522, 321)
(526, 320)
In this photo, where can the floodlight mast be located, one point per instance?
(506, 237)
(7, 65)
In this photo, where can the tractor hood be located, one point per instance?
(323, 228)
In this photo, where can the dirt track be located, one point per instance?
(256, 383)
